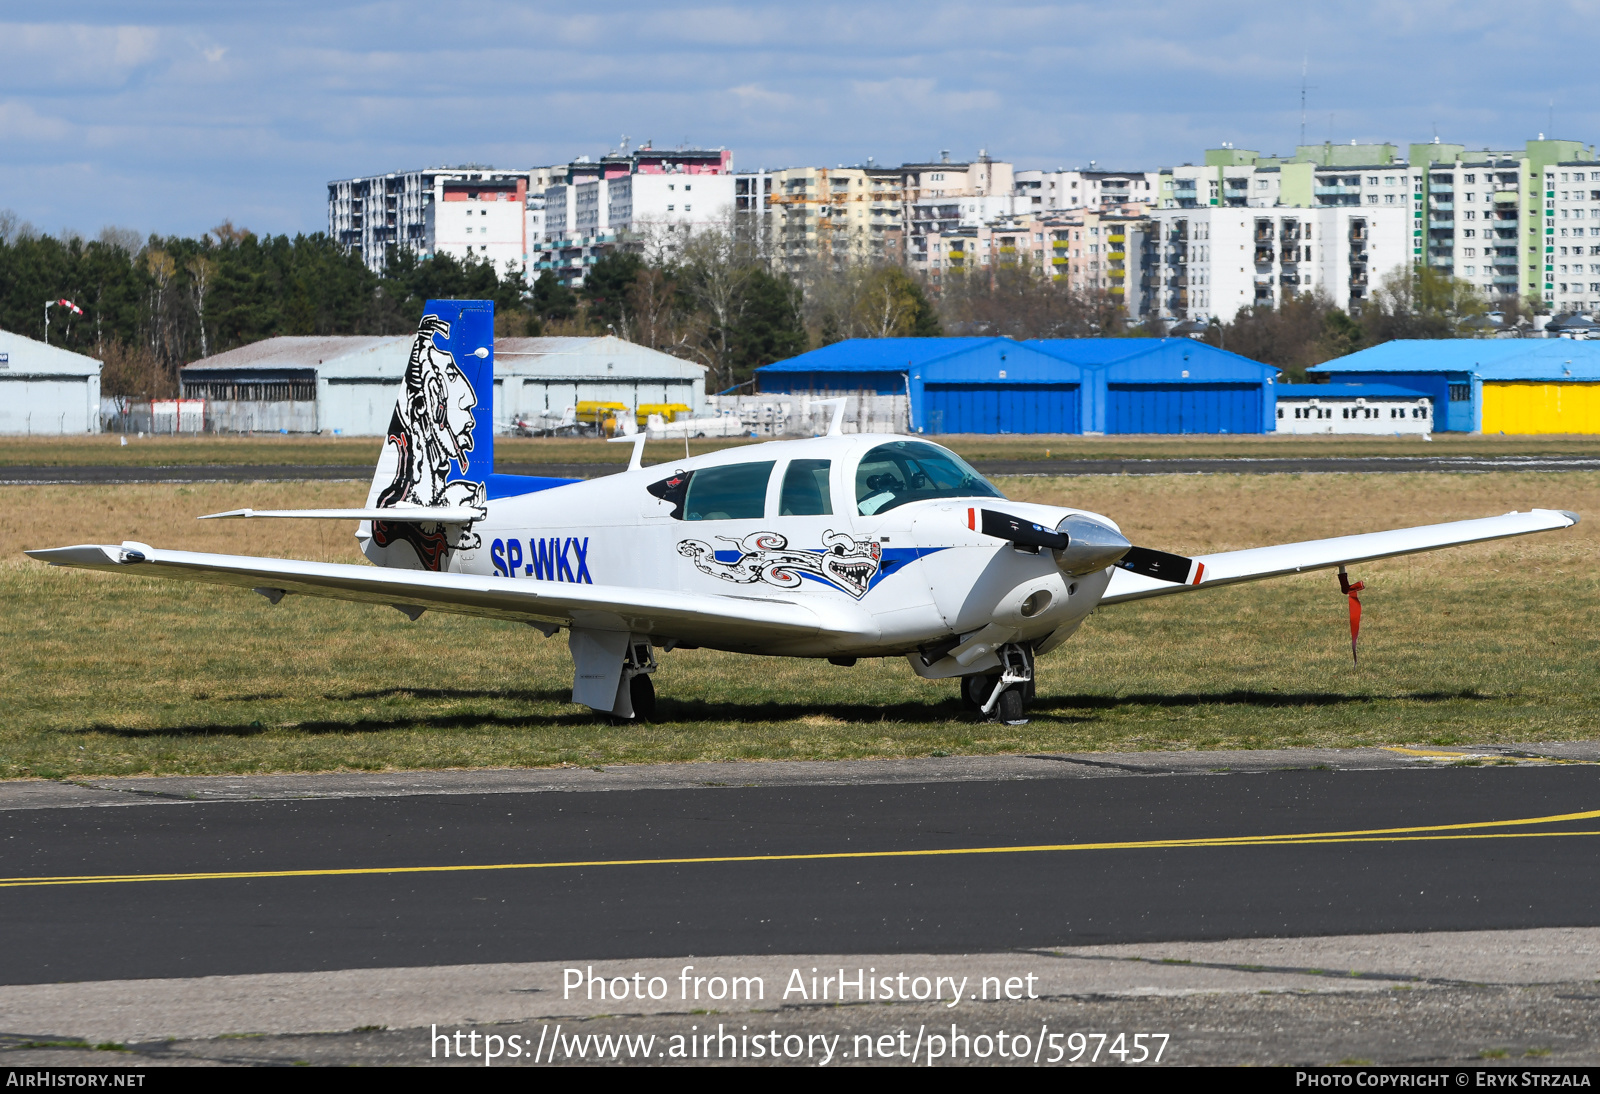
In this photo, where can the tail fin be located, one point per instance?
(439, 448)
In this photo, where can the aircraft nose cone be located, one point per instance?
(1091, 546)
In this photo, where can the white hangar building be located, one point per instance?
(348, 384)
(539, 376)
(46, 389)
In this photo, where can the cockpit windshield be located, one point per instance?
(901, 471)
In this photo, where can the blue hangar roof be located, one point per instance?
(1153, 360)
(1489, 358)
(1126, 360)
(1344, 391)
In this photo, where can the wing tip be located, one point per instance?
(1570, 515)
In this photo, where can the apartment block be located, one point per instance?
(1047, 191)
(865, 213)
(488, 214)
(1091, 250)
(648, 199)
(1209, 263)
(841, 215)
(1572, 237)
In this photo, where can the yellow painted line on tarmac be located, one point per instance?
(1497, 757)
(1424, 833)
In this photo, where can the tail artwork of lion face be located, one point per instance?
(442, 426)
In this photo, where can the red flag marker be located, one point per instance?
(1355, 609)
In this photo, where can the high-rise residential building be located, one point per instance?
(1089, 188)
(844, 215)
(490, 213)
(1490, 218)
(1207, 263)
(1088, 250)
(650, 199)
(560, 218)
(1572, 236)
(861, 213)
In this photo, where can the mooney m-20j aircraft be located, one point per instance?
(840, 546)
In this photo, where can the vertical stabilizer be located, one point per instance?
(439, 448)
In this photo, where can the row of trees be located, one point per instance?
(1307, 330)
(152, 305)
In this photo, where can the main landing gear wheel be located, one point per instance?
(976, 689)
(643, 694)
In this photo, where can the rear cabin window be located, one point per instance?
(735, 492)
(805, 490)
(902, 471)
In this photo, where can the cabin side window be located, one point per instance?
(735, 492)
(805, 490)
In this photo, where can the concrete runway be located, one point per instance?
(15, 476)
(924, 857)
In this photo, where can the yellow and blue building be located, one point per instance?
(1512, 385)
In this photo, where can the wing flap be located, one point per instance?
(604, 607)
(1258, 563)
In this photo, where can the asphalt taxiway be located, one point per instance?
(150, 878)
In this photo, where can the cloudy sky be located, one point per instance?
(169, 117)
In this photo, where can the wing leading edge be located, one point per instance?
(1257, 563)
(686, 616)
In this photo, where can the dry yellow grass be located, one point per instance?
(114, 674)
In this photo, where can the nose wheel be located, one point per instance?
(1003, 697)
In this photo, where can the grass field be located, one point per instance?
(107, 450)
(107, 674)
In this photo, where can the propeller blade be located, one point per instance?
(1161, 565)
(1023, 533)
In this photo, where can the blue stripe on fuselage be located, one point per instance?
(513, 486)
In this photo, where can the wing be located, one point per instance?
(717, 620)
(1232, 567)
(437, 514)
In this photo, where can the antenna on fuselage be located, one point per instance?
(636, 461)
(836, 426)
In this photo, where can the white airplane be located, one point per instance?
(837, 547)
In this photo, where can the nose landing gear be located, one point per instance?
(1003, 698)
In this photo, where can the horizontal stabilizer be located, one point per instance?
(438, 514)
(1256, 563)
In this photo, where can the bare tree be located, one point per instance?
(717, 268)
(1021, 303)
(13, 229)
(200, 270)
(123, 239)
(162, 267)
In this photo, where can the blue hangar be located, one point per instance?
(1062, 385)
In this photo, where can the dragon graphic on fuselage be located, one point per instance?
(843, 561)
